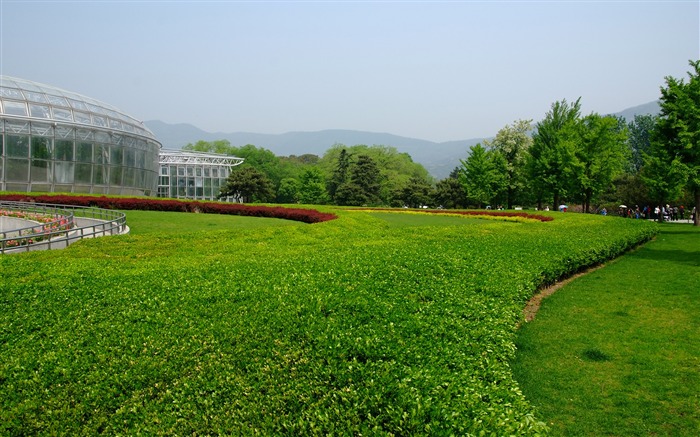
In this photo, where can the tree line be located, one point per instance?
(592, 160)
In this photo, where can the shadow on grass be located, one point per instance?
(686, 257)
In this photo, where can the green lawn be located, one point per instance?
(617, 351)
(372, 324)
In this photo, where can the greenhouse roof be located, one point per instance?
(21, 98)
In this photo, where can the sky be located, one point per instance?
(434, 70)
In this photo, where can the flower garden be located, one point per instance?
(49, 226)
(373, 323)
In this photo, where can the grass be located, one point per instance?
(617, 352)
(362, 325)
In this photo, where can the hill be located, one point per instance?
(438, 158)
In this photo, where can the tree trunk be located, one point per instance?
(555, 207)
(697, 208)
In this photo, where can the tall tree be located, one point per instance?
(600, 145)
(340, 173)
(416, 193)
(640, 132)
(312, 187)
(512, 143)
(248, 184)
(551, 159)
(363, 184)
(678, 130)
(479, 176)
(449, 192)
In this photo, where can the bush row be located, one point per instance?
(150, 204)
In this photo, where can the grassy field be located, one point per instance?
(375, 323)
(617, 352)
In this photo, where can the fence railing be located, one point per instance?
(45, 226)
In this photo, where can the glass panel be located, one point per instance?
(190, 171)
(129, 176)
(41, 147)
(82, 117)
(77, 104)
(140, 159)
(39, 111)
(101, 154)
(198, 171)
(62, 114)
(2, 141)
(17, 170)
(115, 175)
(83, 152)
(164, 170)
(35, 97)
(17, 127)
(98, 120)
(64, 150)
(116, 155)
(84, 134)
(15, 108)
(57, 100)
(115, 124)
(40, 171)
(41, 129)
(12, 93)
(101, 174)
(17, 146)
(130, 156)
(173, 170)
(207, 172)
(64, 132)
(83, 173)
(181, 171)
(63, 172)
(215, 172)
(102, 137)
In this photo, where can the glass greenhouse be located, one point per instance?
(194, 175)
(53, 140)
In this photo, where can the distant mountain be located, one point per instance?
(438, 158)
(651, 108)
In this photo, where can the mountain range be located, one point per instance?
(438, 158)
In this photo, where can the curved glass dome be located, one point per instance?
(24, 98)
(52, 140)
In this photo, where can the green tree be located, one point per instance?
(512, 143)
(288, 191)
(363, 184)
(479, 176)
(416, 193)
(218, 146)
(340, 173)
(449, 192)
(312, 187)
(601, 150)
(248, 184)
(551, 159)
(678, 132)
(640, 133)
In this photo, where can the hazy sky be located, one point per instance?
(436, 70)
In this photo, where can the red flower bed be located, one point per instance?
(152, 204)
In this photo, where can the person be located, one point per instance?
(692, 214)
(604, 211)
(681, 211)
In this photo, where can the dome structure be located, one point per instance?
(52, 140)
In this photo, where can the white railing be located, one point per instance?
(66, 225)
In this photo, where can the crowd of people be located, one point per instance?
(668, 212)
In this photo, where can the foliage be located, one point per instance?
(552, 159)
(678, 133)
(312, 189)
(449, 193)
(362, 186)
(640, 134)
(247, 184)
(512, 143)
(354, 326)
(601, 149)
(414, 194)
(480, 176)
(288, 191)
(151, 204)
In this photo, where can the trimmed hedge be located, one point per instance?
(151, 204)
